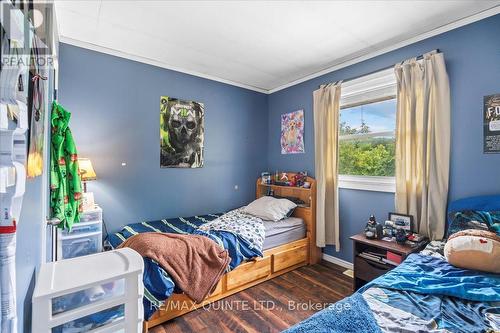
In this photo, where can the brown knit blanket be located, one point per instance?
(194, 262)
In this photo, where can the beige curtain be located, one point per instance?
(423, 142)
(326, 136)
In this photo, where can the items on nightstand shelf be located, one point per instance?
(400, 236)
(394, 258)
(84, 238)
(373, 230)
(375, 257)
(378, 257)
(416, 240)
(101, 293)
(399, 229)
(402, 221)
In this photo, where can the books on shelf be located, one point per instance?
(390, 262)
(377, 257)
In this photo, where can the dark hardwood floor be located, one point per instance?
(271, 306)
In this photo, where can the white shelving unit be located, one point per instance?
(95, 293)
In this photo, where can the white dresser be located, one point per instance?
(101, 293)
(84, 238)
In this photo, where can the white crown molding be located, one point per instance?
(338, 261)
(447, 27)
(145, 60)
(450, 26)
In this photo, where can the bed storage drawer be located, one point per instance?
(289, 257)
(369, 270)
(249, 272)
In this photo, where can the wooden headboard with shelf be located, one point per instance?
(306, 212)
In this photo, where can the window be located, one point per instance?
(366, 139)
(367, 133)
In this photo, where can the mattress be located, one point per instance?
(284, 231)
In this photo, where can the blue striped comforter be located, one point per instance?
(158, 285)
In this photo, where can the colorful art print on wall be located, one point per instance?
(181, 133)
(292, 132)
(492, 124)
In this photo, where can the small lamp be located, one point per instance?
(86, 172)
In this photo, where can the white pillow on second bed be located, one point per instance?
(269, 208)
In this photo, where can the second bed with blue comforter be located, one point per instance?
(423, 294)
(158, 285)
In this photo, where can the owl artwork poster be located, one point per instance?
(181, 133)
(292, 132)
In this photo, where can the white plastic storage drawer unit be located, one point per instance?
(84, 238)
(96, 293)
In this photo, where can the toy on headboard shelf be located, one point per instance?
(300, 178)
(266, 178)
(284, 177)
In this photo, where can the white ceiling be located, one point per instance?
(262, 45)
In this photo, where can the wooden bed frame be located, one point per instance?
(276, 261)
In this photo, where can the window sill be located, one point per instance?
(368, 183)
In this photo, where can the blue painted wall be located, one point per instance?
(115, 118)
(472, 56)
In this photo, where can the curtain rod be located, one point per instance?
(420, 57)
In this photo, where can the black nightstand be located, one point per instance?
(365, 269)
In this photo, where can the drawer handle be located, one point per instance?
(81, 241)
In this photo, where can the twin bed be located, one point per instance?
(289, 244)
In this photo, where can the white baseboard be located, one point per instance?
(337, 261)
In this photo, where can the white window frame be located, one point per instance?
(368, 89)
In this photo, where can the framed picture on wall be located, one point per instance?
(292, 132)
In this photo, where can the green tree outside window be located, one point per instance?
(365, 156)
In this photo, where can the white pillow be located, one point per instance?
(269, 208)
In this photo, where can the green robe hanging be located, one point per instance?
(65, 182)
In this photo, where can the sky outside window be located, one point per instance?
(379, 116)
